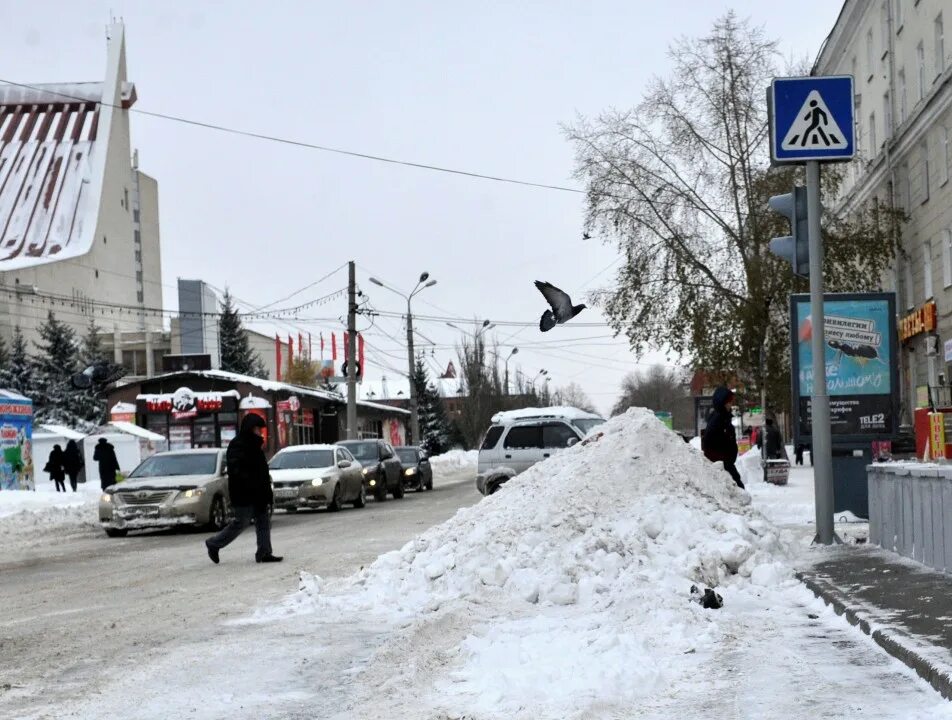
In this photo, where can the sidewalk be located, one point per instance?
(905, 607)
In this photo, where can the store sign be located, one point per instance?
(937, 436)
(184, 403)
(921, 320)
(860, 360)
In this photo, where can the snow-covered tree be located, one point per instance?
(435, 428)
(54, 398)
(236, 353)
(91, 349)
(17, 372)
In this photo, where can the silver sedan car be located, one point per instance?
(171, 488)
(313, 476)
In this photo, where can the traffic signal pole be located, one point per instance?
(352, 352)
(822, 451)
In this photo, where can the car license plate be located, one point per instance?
(286, 493)
(139, 513)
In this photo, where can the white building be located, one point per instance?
(79, 222)
(897, 52)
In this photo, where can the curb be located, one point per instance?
(938, 677)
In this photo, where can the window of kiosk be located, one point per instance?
(227, 427)
(180, 436)
(203, 432)
(158, 424)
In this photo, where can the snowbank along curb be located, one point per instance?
(939, 677)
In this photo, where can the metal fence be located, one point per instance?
(910, 511)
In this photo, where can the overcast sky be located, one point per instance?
(475, 86)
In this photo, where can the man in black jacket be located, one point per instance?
(719, 441)
(249, 486)
(105, 455)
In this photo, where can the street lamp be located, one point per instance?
(511, 353)
(423, 283)
(487, 325)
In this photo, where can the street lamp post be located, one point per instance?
(511, 353)
(421, 285)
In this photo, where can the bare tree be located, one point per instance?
(680, 184)
(573, 395)
(483, 390)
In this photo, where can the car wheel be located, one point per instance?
(116, 532)
(291, 509)
(335, 503)
(217, 517)
(398, 490)
(361, 498)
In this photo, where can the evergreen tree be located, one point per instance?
(91, 350)
(17, 373)
(54, 366)
(435, 428)
(4, 355)
(236, 353)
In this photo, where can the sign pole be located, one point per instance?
(822, 451)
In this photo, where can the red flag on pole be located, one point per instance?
(360, 352)
(346, 346)
(333, 347)
(300, 345)
(290, 353)
(277, 357)
(310, 347)
(321, 336)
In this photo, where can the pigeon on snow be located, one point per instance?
(562, 308)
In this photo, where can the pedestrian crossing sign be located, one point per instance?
(811, 118)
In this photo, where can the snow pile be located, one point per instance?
(581, 569)
(455, 462)
(45, 500)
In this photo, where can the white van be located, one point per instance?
(518, 439)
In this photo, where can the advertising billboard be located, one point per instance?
(862, 376)
(16, 442)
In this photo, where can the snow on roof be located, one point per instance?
(10, 395)
(399, 388)
(252, 401)
(59, 431)
(123, 407)
(568, 413)
(274, 386)
(132, 429)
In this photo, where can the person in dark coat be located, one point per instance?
(775, 449)
(719, 441)
(54, 466)
(249, 487)
(105, 455)
(72, 462)
(798, 454)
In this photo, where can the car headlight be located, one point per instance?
(194, 492)
(317, 482)
(106, 498)
(365, 471)
(372, 483)
(410, 471)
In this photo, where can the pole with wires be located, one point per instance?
(352, 351)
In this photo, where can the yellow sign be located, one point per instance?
(937, 436)
(920, 320)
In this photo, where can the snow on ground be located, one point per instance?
(26, 516)
(453, 464)
(564, 595)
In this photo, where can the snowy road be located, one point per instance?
(80, 609)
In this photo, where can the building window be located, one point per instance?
(140, 296)
(939, 46)
(910, 295)
(869, 54)
(125, 198)
(927, 269)
(872, 136)
(924, 155)
(944, 158)
(97, 273)
(921, 69)
(902, 96)
(138, 256)
(897, 4)
(946, 257)
(884, 25)
(135, 215)
(139, 276)
(137, 237)
(103, 239)
(887, 117)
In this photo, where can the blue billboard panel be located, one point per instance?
(860, 361)
(16, 442)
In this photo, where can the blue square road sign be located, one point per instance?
(812, 119)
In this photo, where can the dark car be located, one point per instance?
(417, 472)
(382, 469)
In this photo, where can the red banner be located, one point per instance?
(277, 356)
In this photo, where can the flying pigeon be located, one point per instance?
(562, 308)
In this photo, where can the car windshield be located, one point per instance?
(586, 424)
(363, 451)
(183, 464)
(407, 455)
(302, 459)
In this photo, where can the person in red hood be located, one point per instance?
(719, 441)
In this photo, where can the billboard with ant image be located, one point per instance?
(862, 376)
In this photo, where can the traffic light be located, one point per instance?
(794, 247)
